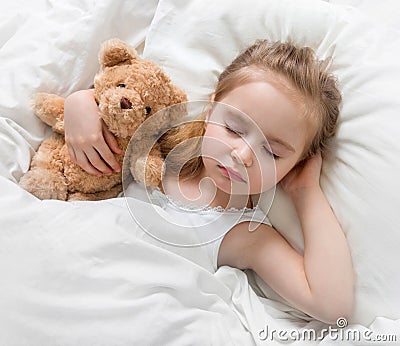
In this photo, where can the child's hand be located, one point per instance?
(304, 176)
(90, 143)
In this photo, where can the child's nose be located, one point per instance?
(243, 155)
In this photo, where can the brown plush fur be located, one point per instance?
(128, 91)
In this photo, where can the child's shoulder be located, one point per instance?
(240, 244)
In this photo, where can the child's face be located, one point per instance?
(254, 136)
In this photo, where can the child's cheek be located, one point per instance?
(263, 177)
(215, 145)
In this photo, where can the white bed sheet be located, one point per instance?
(83, 273)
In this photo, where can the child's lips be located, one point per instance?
(232, 174)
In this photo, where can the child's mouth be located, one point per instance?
(231, 173)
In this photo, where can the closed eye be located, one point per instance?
(238, 133)
(233, 131)
(270, 153)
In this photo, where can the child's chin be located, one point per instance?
(238, 190)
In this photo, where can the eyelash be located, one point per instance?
(276, 157)
(233, 131)
(230, 130)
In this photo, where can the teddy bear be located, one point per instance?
(129, 91)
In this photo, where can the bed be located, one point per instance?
(84, 273)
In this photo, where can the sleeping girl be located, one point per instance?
(273, 110)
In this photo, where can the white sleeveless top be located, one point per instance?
(192, 231)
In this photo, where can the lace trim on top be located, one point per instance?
(194, 207)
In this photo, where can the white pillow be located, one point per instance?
(53, 47)
(196, 41)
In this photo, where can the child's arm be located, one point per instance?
(327, 259)
(90, 144)
(321, 282)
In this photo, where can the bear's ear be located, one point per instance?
(116, 52)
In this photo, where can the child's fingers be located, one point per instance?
(105, 158)
(72, 154)
(315, 162)
(99, 159)
(83, 161)
(112, 144)
(110, 140)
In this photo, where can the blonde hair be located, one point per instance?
(294, 68)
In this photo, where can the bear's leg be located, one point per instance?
(45, 178)
(149, 170)
(154, 170)
(98, 196)
(50, 109)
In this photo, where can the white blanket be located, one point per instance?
(83, 273)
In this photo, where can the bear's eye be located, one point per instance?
(122, 85)
(148, 110)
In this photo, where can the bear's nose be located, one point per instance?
(125, 103)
